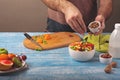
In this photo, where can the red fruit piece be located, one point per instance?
(24, 57)
(11, 55)
(5, 64)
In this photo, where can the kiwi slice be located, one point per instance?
(17, 62)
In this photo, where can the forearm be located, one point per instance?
(73, 16)
(105, 8)
(58, 5)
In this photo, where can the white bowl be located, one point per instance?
(94, 30)
(81, 55)
(105, 60)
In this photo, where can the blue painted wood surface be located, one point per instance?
(55, 64)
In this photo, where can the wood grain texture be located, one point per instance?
(58, 39)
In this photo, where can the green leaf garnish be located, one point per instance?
(73, 47)
(38, 49)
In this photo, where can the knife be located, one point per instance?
(32, 40)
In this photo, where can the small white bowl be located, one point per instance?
(105, 60)
(96, 29)
(81, 55)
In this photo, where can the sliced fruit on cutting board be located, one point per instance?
(52, 40)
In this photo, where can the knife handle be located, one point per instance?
(27, 35)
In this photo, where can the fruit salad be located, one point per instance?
(11, 60)
(82, 46)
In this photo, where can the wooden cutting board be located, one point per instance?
(58, 39)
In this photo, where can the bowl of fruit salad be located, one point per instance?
(81, 51)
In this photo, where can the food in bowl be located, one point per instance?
(94, 26)
(81, 51)
(82, 46)
(105, 58)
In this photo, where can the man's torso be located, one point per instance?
(88, 8)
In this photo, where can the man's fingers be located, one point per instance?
(78, 26)
(75, 26)
(81, 22)
(72, 25)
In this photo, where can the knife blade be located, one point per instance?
(32, 40)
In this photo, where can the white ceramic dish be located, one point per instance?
(105, 60)
(81, 55)
(94, 30)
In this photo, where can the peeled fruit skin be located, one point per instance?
(5, 65)
(3, 51)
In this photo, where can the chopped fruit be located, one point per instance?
(3, 51)
(42, 38)
(19, 57)
(47, 36)
(4, 57)
(11, 55)
(5, 64)
(17, 62)
(11, 61)
(82, 46)
(24, 57)
(39, 40)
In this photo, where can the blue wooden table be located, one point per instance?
(55, 64)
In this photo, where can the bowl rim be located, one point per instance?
(81, 51)
(94, 22)
(76, 55)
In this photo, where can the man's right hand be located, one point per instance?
(72, 14)
(74, 19)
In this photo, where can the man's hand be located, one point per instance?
(101, 19)
(74, 19)
(73, 16)
(104, 11)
